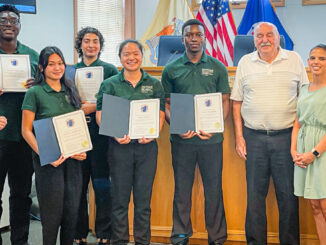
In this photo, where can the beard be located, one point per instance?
(8, 39)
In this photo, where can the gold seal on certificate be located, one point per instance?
(72, 133)
(88, 81)
(209, 113)
(14, 72)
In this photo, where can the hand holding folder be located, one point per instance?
(137, 118)
(201, 113)
(64, 135)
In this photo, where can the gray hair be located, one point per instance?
(266, 23)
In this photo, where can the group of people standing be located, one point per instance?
(265, 99)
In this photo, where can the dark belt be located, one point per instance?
(88, 119)
(271, 132)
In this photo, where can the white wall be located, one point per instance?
(52, 25)
(304, 24)
(145, 11)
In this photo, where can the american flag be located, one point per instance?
(220, 29)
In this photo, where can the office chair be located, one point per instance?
(170, 48)
(244, 44)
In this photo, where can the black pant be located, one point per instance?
(96, 166)
(16, 161)
(209, 159)
(132, 167)
(269, 156)
(58, 191)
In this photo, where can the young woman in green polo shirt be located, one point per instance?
(58, 184)
(132, 162)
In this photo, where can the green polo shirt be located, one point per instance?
(109, 70)
(10, 103)
(147, 88)
(207, 76)
(46, 102)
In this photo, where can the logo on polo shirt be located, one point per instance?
(67, 99)
(144, 108)
(146, 89)
(207, 72)
(89, 75)
(14, 62)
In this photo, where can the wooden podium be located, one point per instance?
(234, 193)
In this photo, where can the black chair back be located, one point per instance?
(244, 44)
(169, 48)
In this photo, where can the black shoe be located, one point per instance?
(183, 242)
(103, 241)
(120, 243)
(79, 242)
(216, 243)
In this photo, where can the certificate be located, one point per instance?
(72, 133)
(200, 112)
(144, 118)
(136, 118)
(88, 81)
(15, 70)
(209, 113)
(66, 134)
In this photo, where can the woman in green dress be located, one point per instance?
(309, 141)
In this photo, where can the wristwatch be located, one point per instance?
(315, 152)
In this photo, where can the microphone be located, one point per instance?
(173, 55)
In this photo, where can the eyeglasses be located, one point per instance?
(12, 21)
(198, 35)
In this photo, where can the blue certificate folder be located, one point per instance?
(70, 73)
(182, 113)
(48, 146)
(115, 116)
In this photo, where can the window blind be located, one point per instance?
(108, 17)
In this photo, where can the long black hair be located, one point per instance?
(70, 88)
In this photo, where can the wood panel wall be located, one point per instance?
(234, 192)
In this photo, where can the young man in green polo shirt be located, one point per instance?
(89, 44)
(15, 154)
(197, 73)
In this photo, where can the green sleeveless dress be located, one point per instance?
(310, 182)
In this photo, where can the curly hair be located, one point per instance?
(80, 36)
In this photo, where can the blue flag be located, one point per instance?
(258, 11)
